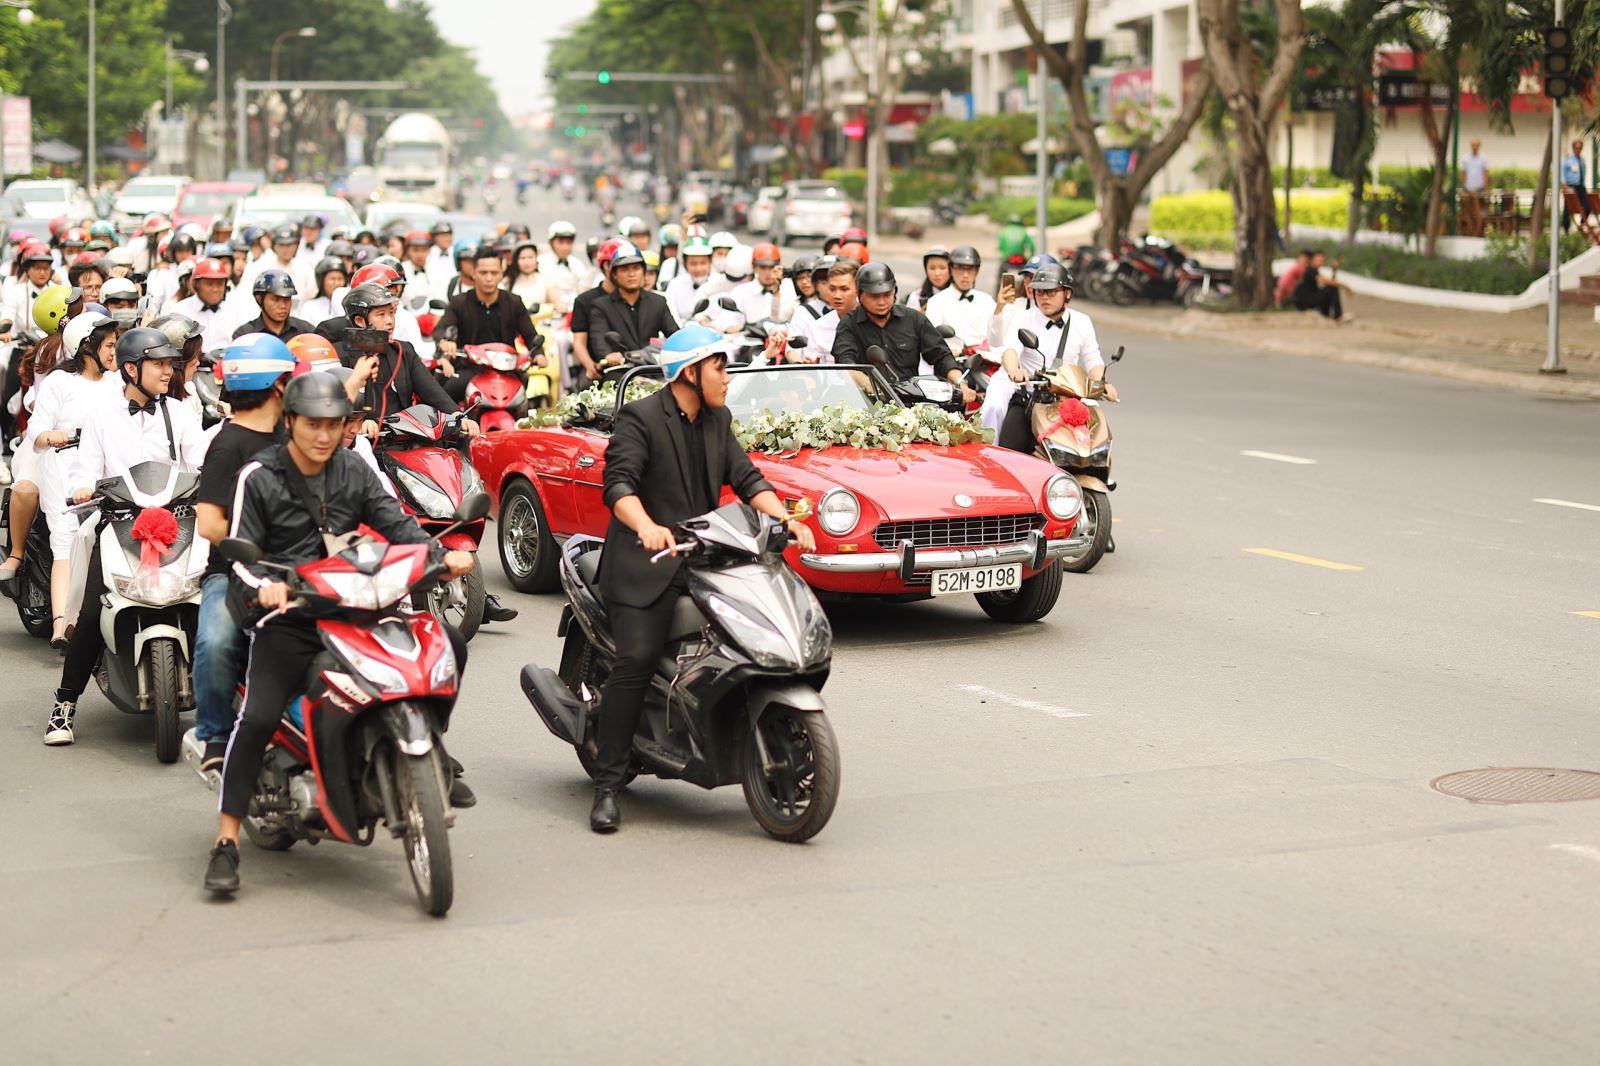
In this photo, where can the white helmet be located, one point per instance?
(79, 327)
(561, 229)
(118, 289)
(738, 266)
(723, 239)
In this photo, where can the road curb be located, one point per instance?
(1552, 385)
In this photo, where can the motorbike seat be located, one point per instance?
(588, 567)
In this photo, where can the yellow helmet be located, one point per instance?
(50, 308)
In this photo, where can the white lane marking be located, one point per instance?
(1582, 850)
(1567, 503)
(1278, 457)
(1019, 701)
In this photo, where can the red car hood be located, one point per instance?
(920, 482)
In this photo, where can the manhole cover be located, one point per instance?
(1520, 784)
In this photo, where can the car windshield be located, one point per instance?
(401, 217)
(469, 228)
(805, 389)
(269, 212)
(411, 155)
(208, 203)
(39, 194)
(151, 187)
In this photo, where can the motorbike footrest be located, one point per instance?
(561, 711)
(661, 755)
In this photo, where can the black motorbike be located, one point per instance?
(31, 587)
(737, 694)
(919, 388)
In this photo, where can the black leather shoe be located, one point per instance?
(604, 816)
(461, 795)
(495, 611)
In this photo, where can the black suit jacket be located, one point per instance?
(650, 318)
(648, 458)
(465, 313)
(401, 381)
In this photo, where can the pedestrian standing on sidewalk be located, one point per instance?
(1572, 177)
(1317, 293)
(1474, 184)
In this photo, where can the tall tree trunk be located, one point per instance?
(1254, 211)
(1358, 187)
(1116, 202)
(1536, 223)
(1439, 143)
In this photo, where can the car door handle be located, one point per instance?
(585, 462)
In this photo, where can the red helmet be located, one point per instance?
(376, 274)
(33, 246)
(85, 259)
(57, 225)
(209, 269)
(766, 255)
(854, 250)
(157, 223)
(608, 251)
(75, 235)
(853, 235)
(419, 236)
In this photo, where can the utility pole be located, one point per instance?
(89, 164)
(224, 12)
(1552, 355)
(1042, 157)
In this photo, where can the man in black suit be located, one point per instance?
(633, 312)
(667, 461)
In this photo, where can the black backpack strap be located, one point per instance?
(317, 509)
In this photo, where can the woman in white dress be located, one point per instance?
(523, 278)
(60, 399)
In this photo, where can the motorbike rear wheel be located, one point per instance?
(1029, 603)
(528, 552)
(264, 838)
(1097, 284)
(427, 838)
(460, 602)
(165, 702)
(1123, 294)
(797, 799)
(1097, 515)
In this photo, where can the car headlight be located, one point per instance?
(381, 674)
(762, 643)
(1062, 496)
(369, 592)
(435, 504)
(838, 511)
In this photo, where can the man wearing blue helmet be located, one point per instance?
(670, 456)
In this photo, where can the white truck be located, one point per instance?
(413, 162)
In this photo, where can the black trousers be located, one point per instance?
(1325, 299)
(456, 387)
(13, 385)
(1016, 431)
(641, 636)
(281, 654)
(83, 650)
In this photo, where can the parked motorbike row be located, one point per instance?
(1151, 269)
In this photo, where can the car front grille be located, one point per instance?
(973, 531)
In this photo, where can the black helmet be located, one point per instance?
(324, 265)
(183, 243)
(875, 278)
(364, 256)
(312, 221)
(273, 283)
(803, 264)
(590, 247)
(342, 249)
(520, 230)
(317, 395)
(144, 342)
(440, 228)
(178, 329)
(364, 299)
(237, 245)
(821, 265)
(938, 251)
(965, 255)
(286, 234)
(1051, 276)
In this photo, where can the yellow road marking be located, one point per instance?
(1587, 614)
(1273, 553)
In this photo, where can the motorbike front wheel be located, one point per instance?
(1097, 517)
(1097, 285)
(427, 837)
(795, 799)
(165, 685)
(460, 602)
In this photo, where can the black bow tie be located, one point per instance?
(772, 291)
(137, 408)
(1053, 324)
(965, 298)
(209, 307)
(561, 262)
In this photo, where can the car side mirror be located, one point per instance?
(947, 331)
(1029, 338)
(238, 550)
(798, 342)
(471, 509)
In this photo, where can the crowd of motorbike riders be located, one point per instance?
(118, 343)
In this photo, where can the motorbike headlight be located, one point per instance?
(838, 511)
(434, 504)
(1062, 496)
(385, 677)
(762, 643)
(443, 674)
(158, 589)
(369, 592)
(471, 483)
(935, 391)
(505, 362)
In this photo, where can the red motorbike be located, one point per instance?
(360, 746)
(500, 387)
(422, 452)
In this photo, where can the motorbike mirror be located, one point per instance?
(880, 359)
(613, 338)
(533, 309)
(699, 306)
(947, 331)
(538, 344)
(472, 508)
(438, 305)
(238, 550)
(1029, 338)
(757, 329)
(727, 304)
(798, 342)
(1117, 357)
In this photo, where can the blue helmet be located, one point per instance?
(1032, 266)
(219, 250)
(462, 250)
(690, 345)
(255, 361)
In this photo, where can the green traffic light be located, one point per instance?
(582, 131)
(604, 77)
(583, 109)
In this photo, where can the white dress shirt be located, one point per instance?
(819, 337)
(114, 440)
(1080, 347)
(319, 309)
(682, 294)
(563, 277)
(969, 313)
(216, 327)
(756, 304)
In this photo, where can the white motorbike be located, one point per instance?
(152, 563)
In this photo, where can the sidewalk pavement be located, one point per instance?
(1500, 350)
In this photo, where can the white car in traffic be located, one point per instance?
(147, 195)
(272, 210)
(52, 198)
(762, 209)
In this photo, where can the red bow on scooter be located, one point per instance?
(155, 529)
(1071, 413)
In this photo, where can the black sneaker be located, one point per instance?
(495, 611)
(216, 754)
(222, 873)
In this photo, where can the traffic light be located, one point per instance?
(583, 109)
(580, 131)
(604, 77)
(1557, 62)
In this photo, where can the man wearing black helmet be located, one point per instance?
(632, 312)
(285, 255)
(400, 379)
(121, 431)
(274, 292)
(274, 511)
(963, 306)
(905, 335)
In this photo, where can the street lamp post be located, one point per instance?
(89, 164)
(24, 11)
(827, 22)
(224, 13)
(272, 63)
(201, 65)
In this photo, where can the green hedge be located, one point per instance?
(853, 181)
(920, 188)
(1499, 177)
(1503, 272)
(1058, 209)
(1210, 211)
(1309, 178)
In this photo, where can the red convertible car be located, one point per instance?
(926, 520)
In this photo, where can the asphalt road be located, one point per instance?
(1187, 818)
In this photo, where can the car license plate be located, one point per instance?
(977, 579)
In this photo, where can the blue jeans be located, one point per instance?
(220, 651)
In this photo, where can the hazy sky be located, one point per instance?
(510, 39)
